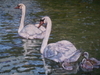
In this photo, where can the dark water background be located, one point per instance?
(74, 20)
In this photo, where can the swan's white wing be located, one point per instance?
(60, 51)
(66, 48)
(41, 27)
(75, 56)
(54, 52)
(31, 30)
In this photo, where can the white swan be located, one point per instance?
(29, 31)
(61, 51)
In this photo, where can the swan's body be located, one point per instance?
(61, 51)
(29, 31)
(88, 64)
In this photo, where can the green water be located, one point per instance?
(76, 21)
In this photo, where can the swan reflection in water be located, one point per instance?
(31, 45)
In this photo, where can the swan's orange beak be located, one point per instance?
(41, 23)
(17, 7)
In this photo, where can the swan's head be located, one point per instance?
(45, 19)
(86, 55)
(20, 6)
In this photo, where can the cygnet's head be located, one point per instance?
(86, 55)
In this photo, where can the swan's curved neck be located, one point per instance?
(46, 38)
(22, 19)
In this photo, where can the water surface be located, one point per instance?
(76, 21)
